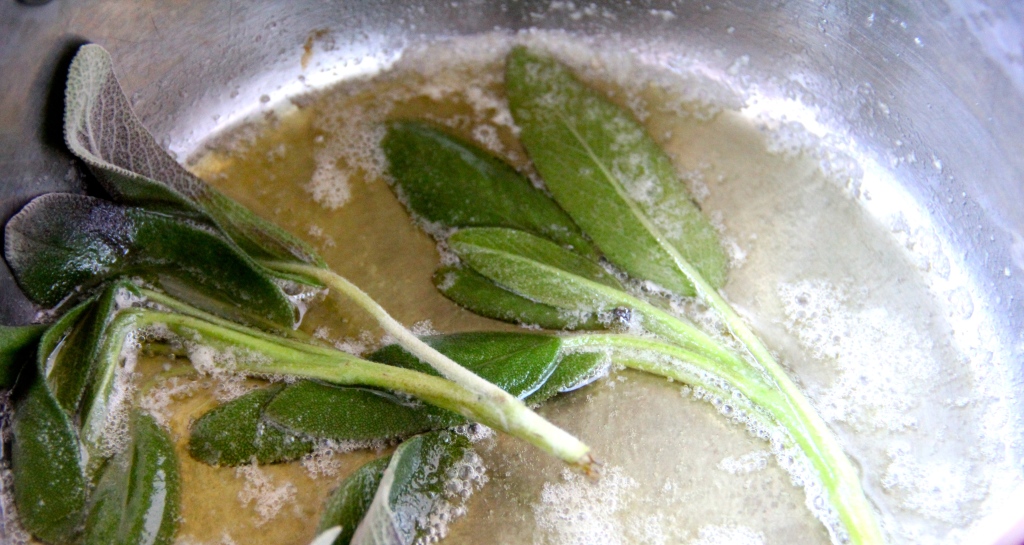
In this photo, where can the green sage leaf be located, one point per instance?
(472, 291)
(448, 181)
(60, 244)
(16, 344)
(235, 433)
(138, 495)
(537, 269)
(344, 413)
(574, 371)
(416, 483)
(518, 363)
(101, 129)
(60, 356)
(47, 466)
(603, 168)
(348, 504)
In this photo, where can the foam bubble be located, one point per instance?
(262, 491)
(576, 511)
(727, 535)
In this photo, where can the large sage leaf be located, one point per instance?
(610, 176)
(448, 181)
(101, 129)
(574, 371)
(415, 485)
(472, 291)
(537, 269)
(138, 495)
(343, 413)
(60, 355)
(235, 433)
(347, 505)
(46, 462)
(60, 244)
(16, 344)
(519, 363)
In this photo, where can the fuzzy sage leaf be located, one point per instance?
(347, 505)
(101, 129)
(412, 487)
(60, 244)
(46, 462)
(16, 344)
(609, 175)
(137, 498)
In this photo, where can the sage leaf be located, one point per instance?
(610, 176)
(355, 414)
(474, 292)
(102, 130)
(60, 244)
(448, 181)
(575, 370)
(518, 363)
(419, 481)
(235, 433)
(348, 504)
(327, 537)
(138, 495)
(47, 467)
(16, 344)
(60, 356)
(537, 269)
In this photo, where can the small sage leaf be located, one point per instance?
(472, 291)
(61, 243)
(537, 269)
(574, 371)
(347, 505)
(47, 466)
(448, 181)
(327, 537)
(416, 484)
(610, 176)
(518, 363)
(101, 129)
(235, 433)
(16, 344)
(60, 355)
(138, 495)
(343, 413)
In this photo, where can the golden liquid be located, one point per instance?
(663, 451)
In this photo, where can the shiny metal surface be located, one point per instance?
(916, 84)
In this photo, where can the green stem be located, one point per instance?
(819, 444)
(288, 357)
(570, 449)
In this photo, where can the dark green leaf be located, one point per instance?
(235, 433)
(49, 473)
(347, 505)
(518, 363)
(137, 498)
(353, 414)
(101, 129)
(537, 269)
(470, 290)
(16, 344)
(62, 243)
(59, 356)
(416, 484)
(610, 176)
(574, 371)
(451, 182)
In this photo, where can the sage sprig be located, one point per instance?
(148, 185)
(615, 183)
